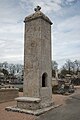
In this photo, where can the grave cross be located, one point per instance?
(38, 8)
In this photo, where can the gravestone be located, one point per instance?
(37, 88)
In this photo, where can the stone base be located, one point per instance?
(31, 106)
(32, 103)
(32, 112)
(29, 103)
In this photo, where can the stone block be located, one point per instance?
(28, 103)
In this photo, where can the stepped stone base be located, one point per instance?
(30, 105)
(32, 112)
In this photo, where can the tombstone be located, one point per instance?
(56, 74)
(37, 87)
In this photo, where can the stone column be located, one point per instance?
(37, 87)
(37, 56)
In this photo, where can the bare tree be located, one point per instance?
(77, 66)
(69, 66)
(54, 68)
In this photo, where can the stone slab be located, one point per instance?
(32, 112)
(28, 99)
(29, 103)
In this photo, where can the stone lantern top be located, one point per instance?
(36, 15)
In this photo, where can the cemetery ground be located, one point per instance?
(69, 109)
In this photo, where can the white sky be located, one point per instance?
(65, 14)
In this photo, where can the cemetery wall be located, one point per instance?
(8, 94)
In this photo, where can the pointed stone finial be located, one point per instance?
(38, 8)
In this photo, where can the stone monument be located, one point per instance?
(37, 87)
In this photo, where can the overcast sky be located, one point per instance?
(65, 15)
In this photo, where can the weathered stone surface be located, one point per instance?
(28, 103)
(37, 57)
(33, 112)
(37, 14)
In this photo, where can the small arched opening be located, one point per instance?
(44, 79)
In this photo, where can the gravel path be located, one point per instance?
(5, 115)
(70, 110)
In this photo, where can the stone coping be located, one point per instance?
(27, 99)
(9, 89)
(36, 15)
